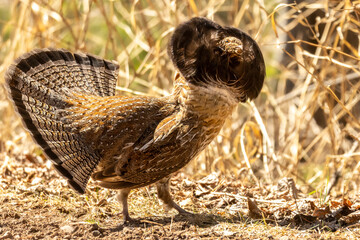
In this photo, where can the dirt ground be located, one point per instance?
(36, 203)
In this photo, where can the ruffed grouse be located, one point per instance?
(67, 102)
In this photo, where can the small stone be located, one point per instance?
(67, 229)
(188, 183)
(96, 233)
(36, 181)
(94, 226)
(185, 202)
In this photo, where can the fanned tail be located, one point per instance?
(38, 83)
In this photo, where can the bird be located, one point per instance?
(68, 103)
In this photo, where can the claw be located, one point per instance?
(164, 194)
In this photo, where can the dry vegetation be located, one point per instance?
(304, 125)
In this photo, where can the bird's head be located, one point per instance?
(206, 53)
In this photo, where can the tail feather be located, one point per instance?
(60, 69)
(101, 70)
(39, 83)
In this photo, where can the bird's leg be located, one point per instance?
(164, 194)
(122, 197)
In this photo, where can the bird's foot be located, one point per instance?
(127, 220)
(172, 205)
(180, 210)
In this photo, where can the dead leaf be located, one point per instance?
(341, 212)
(101, 203)
(347, 202)
(312, 205)
(335, 204)
(351, 218)
(254, 211)
(321, 213)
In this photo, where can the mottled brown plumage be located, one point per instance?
(68, 103)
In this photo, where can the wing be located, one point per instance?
(108, 123)
(115, 126)
(162, 151)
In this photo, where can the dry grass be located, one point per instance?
(279, 135)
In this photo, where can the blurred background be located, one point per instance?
(305, 123)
